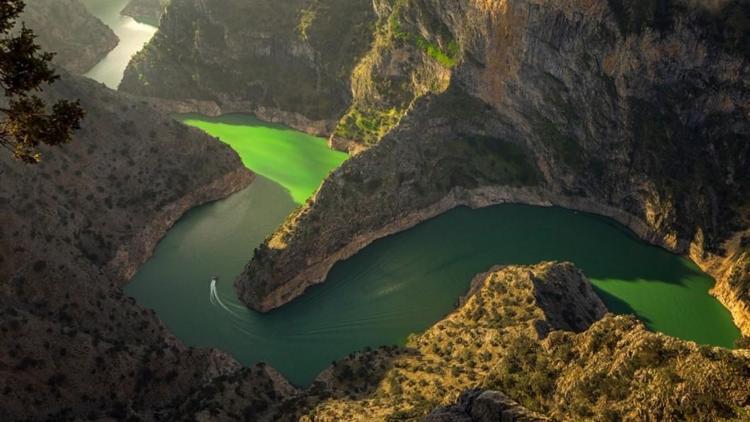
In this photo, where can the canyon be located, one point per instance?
(638, 112)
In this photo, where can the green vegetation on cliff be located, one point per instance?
(382, 96)
(448, 57)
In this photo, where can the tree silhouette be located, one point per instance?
(24, 69)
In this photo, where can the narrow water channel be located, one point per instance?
(399, 285)
(133, 36)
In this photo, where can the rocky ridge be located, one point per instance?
(526, 343)
(484, 406)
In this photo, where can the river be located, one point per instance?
(399, 285)
(133, 36)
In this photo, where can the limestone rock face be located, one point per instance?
(74, 229)
(292, 56)
(66, 28)
(641, 116)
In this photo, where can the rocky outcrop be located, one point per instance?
(508, 351)
(78, 39)
(74, 228)
(146, 11)
(293, 57)
(635, 114)
(484, 406)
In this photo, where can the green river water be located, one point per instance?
(399, 285)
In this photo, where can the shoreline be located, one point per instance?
(717, 267)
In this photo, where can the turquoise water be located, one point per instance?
(404, 283)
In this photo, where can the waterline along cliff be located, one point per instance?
(363, 210)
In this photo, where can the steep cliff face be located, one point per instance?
(294, 56)
(636, 113)
(74, 229)
(412, 55)
(66, 28)
(146, 11)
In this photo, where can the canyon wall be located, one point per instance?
(634, 112)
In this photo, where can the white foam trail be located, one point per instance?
(215, 299)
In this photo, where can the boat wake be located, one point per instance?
(216, 300)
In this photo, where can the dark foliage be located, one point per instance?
(24, 69)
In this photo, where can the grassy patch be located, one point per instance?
(447, 57)
(368, 125)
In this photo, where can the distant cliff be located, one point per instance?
(257, 56)
(639, 114)
(146, 11)
(66, 28)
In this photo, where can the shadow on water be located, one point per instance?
(617, 305)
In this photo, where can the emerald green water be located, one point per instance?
(399, 285)
(294, 160)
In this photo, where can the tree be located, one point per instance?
(24, 69)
